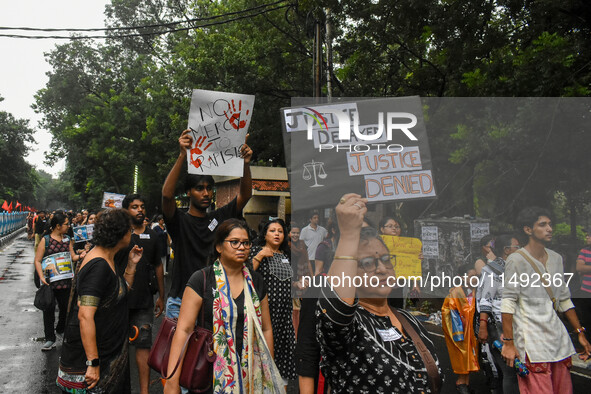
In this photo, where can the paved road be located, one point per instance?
(25, 369)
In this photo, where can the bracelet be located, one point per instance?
(257, 260)
(345, 258)
(484, 320)
(507, 339)
(580, 330)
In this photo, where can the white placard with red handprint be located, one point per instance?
(219, 122)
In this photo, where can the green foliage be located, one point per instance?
(110, 106)
(17, 178)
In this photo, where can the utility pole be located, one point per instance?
(328, 56)
(317, 60)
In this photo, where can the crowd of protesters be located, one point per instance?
(271, 330)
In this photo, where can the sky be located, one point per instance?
(23, 67)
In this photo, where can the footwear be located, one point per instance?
(462, 389)
(47, 346)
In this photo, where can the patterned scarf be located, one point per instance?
(256, 372)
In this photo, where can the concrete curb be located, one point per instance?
(7, 238)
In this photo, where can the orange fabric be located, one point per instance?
(463, 354)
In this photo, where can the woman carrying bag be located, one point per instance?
(236, 310)
(57, 277)
(94, 356)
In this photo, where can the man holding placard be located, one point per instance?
(210, 147)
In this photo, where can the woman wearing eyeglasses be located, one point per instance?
(367, 346)
(270, 258)
(227, 291)
(390, 226)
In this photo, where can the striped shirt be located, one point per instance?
(585, 255)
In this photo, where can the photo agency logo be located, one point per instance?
(376, 147)
(338, 128)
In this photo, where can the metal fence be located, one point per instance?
(10, 222)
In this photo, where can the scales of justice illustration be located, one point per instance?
(317, 168)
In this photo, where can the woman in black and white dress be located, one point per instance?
(367, 346)
(270, 258)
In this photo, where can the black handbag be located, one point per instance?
(44, 298)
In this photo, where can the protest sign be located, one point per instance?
(112, 200)
(479, 230)
(83, 233)
(218, 122)
(58, 266)
(430, 238)
(377, 148)
(404, 252)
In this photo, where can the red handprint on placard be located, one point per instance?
(198, 151)
(234, 117)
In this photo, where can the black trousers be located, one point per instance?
(61, 297)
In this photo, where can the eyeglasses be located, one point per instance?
(394, 226)
(234, 243)
(370, 264)
(513, 246)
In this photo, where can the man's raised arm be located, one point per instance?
(168, 203)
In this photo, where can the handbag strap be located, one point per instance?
(427, 357)
(182, 355)
(547, 288)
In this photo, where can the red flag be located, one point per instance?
(5, 205)
(10, 207)
(18, 204)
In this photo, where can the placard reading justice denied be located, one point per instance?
(377, 148)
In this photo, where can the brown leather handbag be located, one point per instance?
(198, 354)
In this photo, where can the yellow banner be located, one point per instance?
(405, 253)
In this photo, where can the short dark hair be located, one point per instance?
(193, 180)
(263, 233)
(486, 239)
(224, 229)
(385, 219)
(463, 269)
(129, 199)
(503, 241)
(527, 217)
(111, 226)
(369, 233)
(313, 213)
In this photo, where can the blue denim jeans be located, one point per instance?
(173, 307)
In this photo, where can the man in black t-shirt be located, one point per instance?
(140, 299)
(192, 232)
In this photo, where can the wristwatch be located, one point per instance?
(92, 363)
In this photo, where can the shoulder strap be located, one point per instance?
(46, 238)
(495, 267)
(547, 288)
(427, 357)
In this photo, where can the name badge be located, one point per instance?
(212, 225)
(389, 335)
(144, 236)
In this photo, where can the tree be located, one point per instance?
(17, 178)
